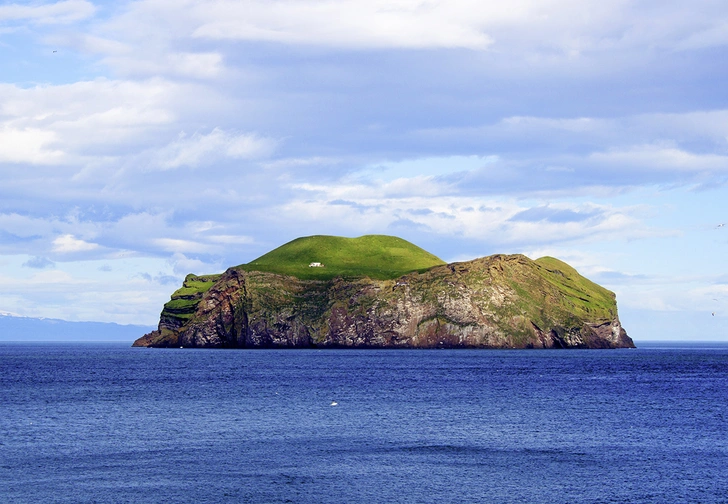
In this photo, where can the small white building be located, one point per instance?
(315, 265)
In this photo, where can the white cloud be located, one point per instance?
(51, 123)
(218, 144)
(360, 210)
(64, 12)
(203, 65)
(25, 226)
(144, 234)
(661, 158)
(711, 125)
(68, 243)
(88, 43)
(140, 224)
(300, 120)
(297, 164)
(714, 34)
(230, 239)
(351, 23)
(55, 276)
(424, 167)
(100, 127)
(674, 293)
(538, 31)
(178, 245)
(571, 154)
(76, 290)
(207, 65)
(525, 26)
(573, 125)
(529, 27)
(625, 131)
(182, 265)
(29, 145)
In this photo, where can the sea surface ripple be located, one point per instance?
(108, 423)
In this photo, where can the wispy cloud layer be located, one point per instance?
(403, 24)
(205, 149)
(69, 243)
(64, 12)
(595, 131)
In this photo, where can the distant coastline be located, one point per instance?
(15, 328)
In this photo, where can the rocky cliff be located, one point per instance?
(501, 301)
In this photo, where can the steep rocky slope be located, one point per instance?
(501, 301)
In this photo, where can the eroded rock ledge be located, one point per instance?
(501, 301)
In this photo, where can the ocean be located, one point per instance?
(108, 423)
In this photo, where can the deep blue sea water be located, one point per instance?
(109, 423)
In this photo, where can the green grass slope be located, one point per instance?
(184, 300)
(584, 298)
(376, 256)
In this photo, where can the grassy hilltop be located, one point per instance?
(375, 256)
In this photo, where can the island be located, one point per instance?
(380, 291)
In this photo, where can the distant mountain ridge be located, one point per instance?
(384, 292)
(28, 329)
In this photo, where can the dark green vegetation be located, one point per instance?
(184, 300)
(583, 297)
(375, 256)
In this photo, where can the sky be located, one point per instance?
(144, 140)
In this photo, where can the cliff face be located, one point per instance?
(493, 302)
